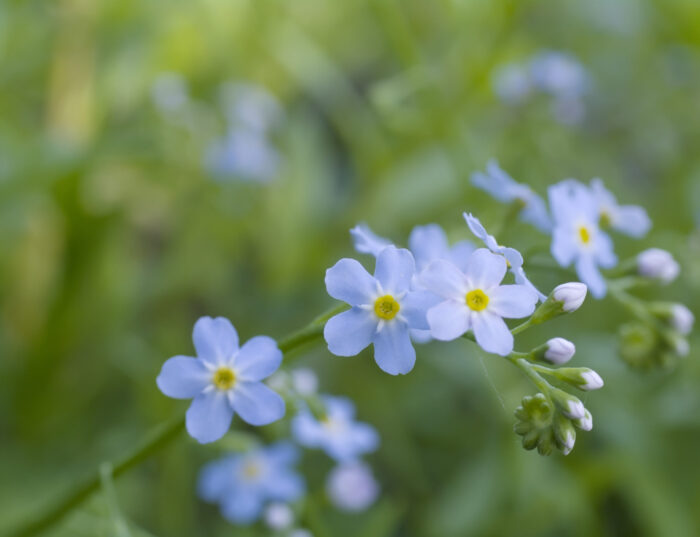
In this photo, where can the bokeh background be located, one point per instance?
(117, 235)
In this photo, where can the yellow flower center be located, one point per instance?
(251, 470)
(477, 300)
(584, 234)
(224, 378)
(386, 307)
(605, 219)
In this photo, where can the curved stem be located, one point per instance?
(159, 438)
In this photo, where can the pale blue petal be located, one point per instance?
(428, 243)
(258, 358)
(444, 279)
(282, 453)
(209, 416)
(364, 438)
(459, 254)
(257, 404)
(492, 333)
(182, 377)
(284, 486)
(590, 275)
(393, 350)
(348, 281)
(351, 331)
(394, 270)
(421, 336)
(242, 507)
(216, 340)
(631, 220)
(512, 301)
(366, 241)
(513, 257)
(339, 407)
(480, 232)
(563, 247)
(535, 213)
(604, 251)
(306, 430)
(485, 270)
(415, 306)
(215, 479)
(449, 320)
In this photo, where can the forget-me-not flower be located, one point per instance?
(513, 258)
(475, 300)
(384, 309)
(337, 433)
(429, 242)
(223, 379)
(559, 74)
(505, 189)
(576, 237)
(351, 486)
(242, 484)
(631, 220)
(243, 154)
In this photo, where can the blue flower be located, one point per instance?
(559, 74)
(505, 189)
(429, 242)
(243, 484)
(513, 257)
(384, 309)
(367, 241)
(475, 300)
(631, 220)
(576, 237)
(243, 154)
(224, 379)
(338, 434)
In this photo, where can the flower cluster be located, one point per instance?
(579, 219)
(555, 74)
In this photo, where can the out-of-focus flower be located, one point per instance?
(367, 241)
(658, 264)
(384, 309)
(505, 189)
(576, 235)
(512, 256)
(429, 242)
(475, 300)
(278, 516)
(512, 83)
(169, 92)
(631, 220)
(559, 74)
(337, 433)
(304, 381)
(243, 484)
(250, 106)
(224, 379)
(245, 155)
(352, 487)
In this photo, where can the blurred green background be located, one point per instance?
(115, 239)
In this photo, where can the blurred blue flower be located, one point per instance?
(242, 484)
(351, 486)
(337, 433)
(429, 242)
(512, 83)
(559, 74)
(224, 379)
(504, 188)
(475, 300)
(367, 241)
(384, 309)
(513, 257)
(250, 107)
(576, 237)
(631, 220)
(243, 154)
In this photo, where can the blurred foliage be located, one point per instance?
(115, 240)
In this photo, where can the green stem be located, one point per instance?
(529, 370)
(522, 327)
(159, 438)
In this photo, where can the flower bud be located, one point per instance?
(571, 295)
(559, 350)
(534, 423)
(585, 423)
(570, 406)
(565, 298)
(658, 264)
(278, 516)
(582, 378)
(682, 319)
(564, 433)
